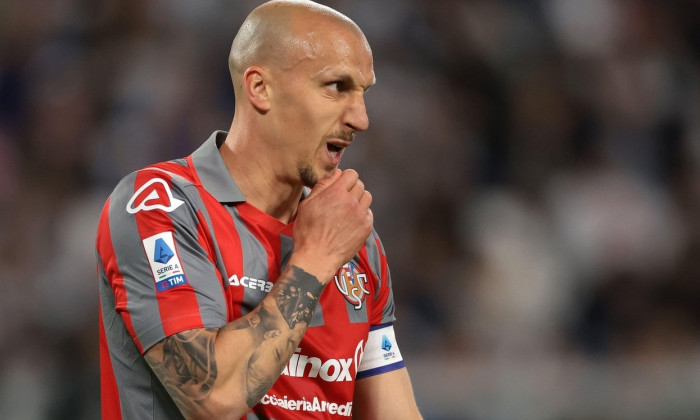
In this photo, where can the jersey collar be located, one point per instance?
(212, 171)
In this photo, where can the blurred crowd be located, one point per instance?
(535, 167)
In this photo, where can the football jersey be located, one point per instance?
(179, 248)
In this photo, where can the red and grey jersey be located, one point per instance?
(179, 248)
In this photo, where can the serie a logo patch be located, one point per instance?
(164, 261)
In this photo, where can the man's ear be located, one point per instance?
(256, 88)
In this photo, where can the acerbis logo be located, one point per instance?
(331, 370)
(153, 195)
(250, 283)
(351, 283)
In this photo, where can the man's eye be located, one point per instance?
(337, 86)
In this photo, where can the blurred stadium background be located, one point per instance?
(535, 166)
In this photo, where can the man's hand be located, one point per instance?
(332, 223)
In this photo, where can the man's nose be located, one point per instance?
(356, 116)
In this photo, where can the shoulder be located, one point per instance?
(159, 186)
(375, 254)
(159, 195)
(175, 173)
(375, 241)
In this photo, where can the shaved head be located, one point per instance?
(300, 71)
(280, 33)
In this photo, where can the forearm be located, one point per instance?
(220, 373)
(275, 327)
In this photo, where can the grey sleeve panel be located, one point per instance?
(389, 312)
(374, 261)
(254, 262)
(139, 284)
(196, 201)
(205, 278)
(374, 248)
(133, 376)
(134, 268)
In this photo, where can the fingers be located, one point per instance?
(357, 190)
(366, 200)
(326, 182)
(349, 179)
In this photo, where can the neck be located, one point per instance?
(251, 165)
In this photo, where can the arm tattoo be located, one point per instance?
(187, 368)
(259, 381)
(297, 299)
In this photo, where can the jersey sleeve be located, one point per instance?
(381, 353)
(382, 310)
(157, 259)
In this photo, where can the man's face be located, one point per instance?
(318, 100)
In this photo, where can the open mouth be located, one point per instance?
(336, 145)
(334, 150)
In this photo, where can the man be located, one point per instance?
(229, 290)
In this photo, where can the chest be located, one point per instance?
(251, 252)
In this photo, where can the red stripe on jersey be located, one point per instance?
(193, 171)
(256, 221)
(111, 409)
(202, 238)
(229, 243)
(382, 259)
(178, 306)
(175, 168)
(362, 253)
(114, 276)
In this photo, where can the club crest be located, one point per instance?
(351, 283)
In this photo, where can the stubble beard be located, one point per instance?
(308, 176)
